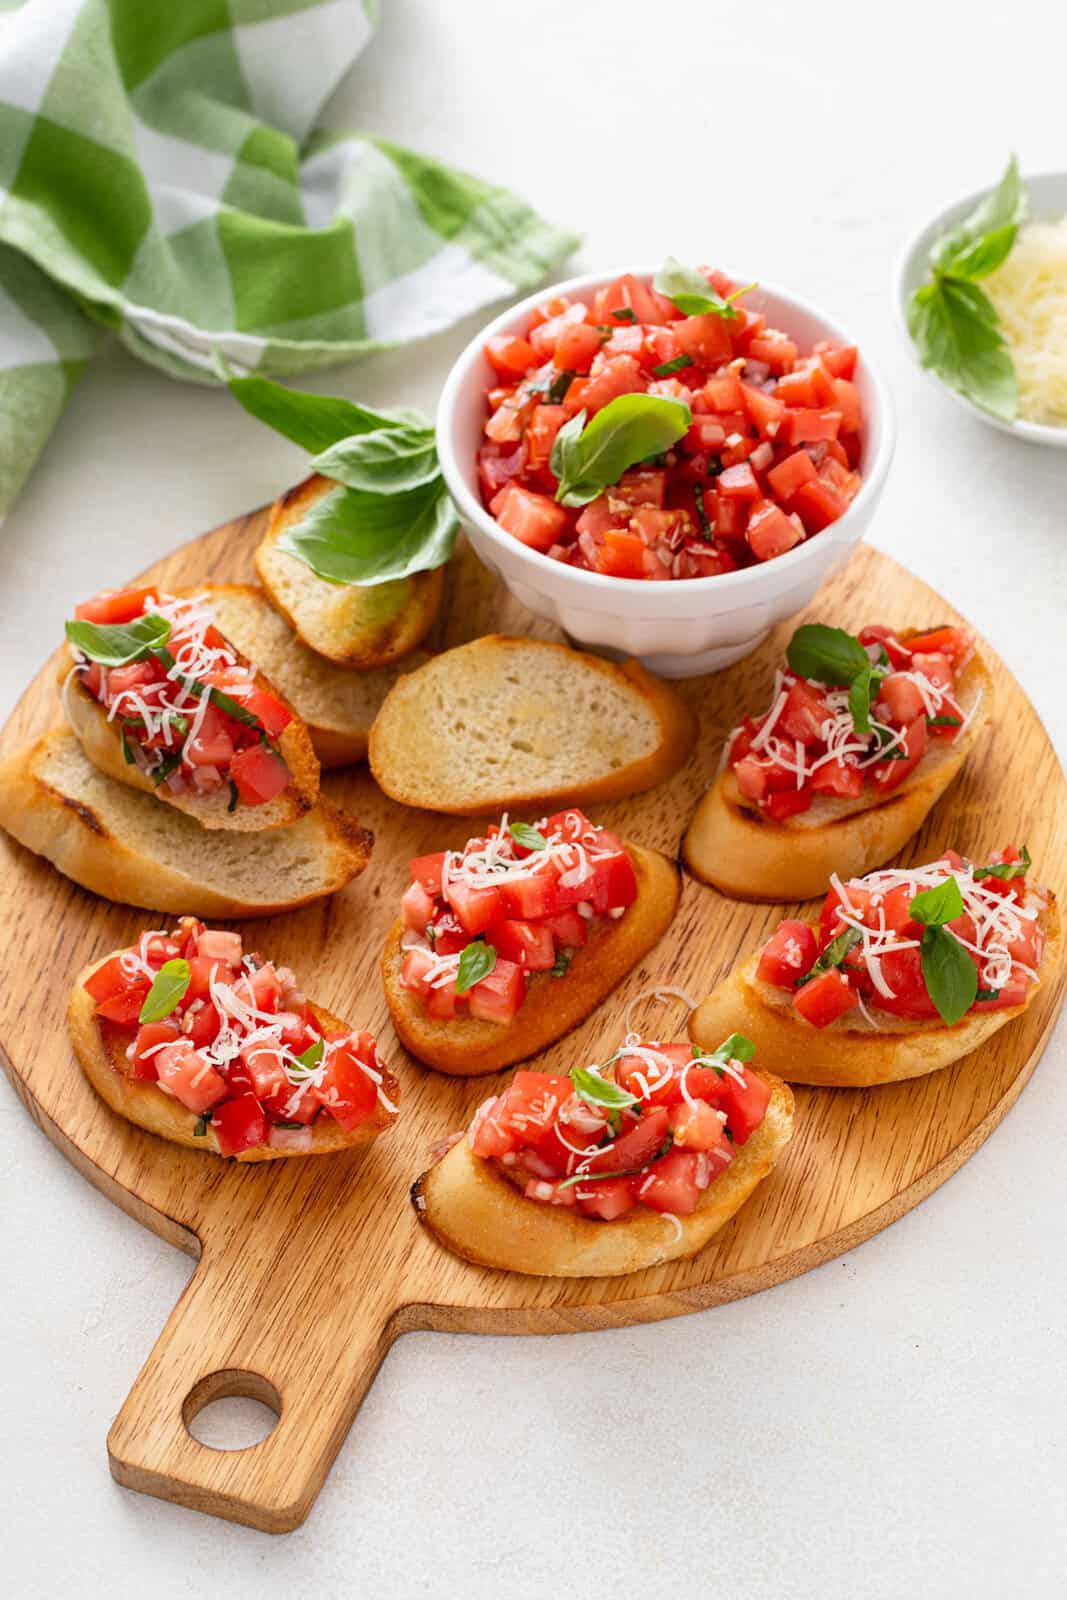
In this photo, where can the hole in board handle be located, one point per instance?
(232, 1410)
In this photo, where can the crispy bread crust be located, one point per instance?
(400, 711)
(99, 1046)
(101, 741)
(469, 1048)
(733, 847)
(844, 1056)
(389, 638)
(77, 841)
(474, 1211)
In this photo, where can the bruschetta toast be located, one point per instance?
(611, 1169)
(907, 970)
(335, 704)
(190, 1038)
(524, 723)
(840, 772)
(507, 944)
(161, 701)
(123, 845)
(354, 625)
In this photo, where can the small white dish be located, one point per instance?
(682, 628)
(1047, 193)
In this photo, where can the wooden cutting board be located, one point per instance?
(308, 1270)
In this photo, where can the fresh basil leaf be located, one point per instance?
(998, 212)
(985, 255)
(309, 1059)
(690, 290)
(127, 753)
(934, 907)
(964, 347)
(833, 955)
(475, 963)
(627, 430)
(859, 699)
(559, 967)
(702, 513)
(557, 389)
(1006, 869)
(623, 314)
(168, 989)
(829, 655)
(116, 644)
(944, 722)
(202, 1125)
(950, 975)
(528, 837)
(386, 461)
(315, 421)
(169, 761)
(598, 1091)
(735, 1048)
(679, 364)
(563, 456)
(987, 994)
(355, 536)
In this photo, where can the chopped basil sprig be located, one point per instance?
(628, 1172)
(735, 1048)
(1006, 869)
(588, 458)
(475, 963)
(833, 955)
(116, 644)
(691, 291)
(169, 987)
(830, 655)
(950, 975)
(597, 1091)
(562, 962)
(952, 321)
(389, 515)
(528, 837)
(309, 1059)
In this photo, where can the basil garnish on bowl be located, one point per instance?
(389, 515)
(589, 457)
(952, 321)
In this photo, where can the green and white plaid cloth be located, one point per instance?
(160, 176)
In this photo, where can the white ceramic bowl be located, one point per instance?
(1048, 199)
(684, 627)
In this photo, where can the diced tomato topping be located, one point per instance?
(499, 995)
(889, 775)
(534, 519)
(240, 1124)
(417, 908)
(348, 1093)
(114, 605)
(273, 714)
(825, 998)
(190, 1077)
(528, 944)
(672, 1184)
(150, 1036)
(788, 954)
(259, 775)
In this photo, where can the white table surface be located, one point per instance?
(891, 1424)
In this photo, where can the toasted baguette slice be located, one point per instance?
(102, 742)
(520, 722)
(474, 1211)
(337, 706)
(469, 1047)
(355, 626)
(849, 1054)
(740, 852)
(100, 1045)
(121, 844)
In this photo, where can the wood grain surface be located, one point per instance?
(309, 1269)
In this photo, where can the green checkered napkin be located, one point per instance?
(159, 176)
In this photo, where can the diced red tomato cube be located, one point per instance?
(789, 475)
(671, 1184)
(805, 712)
(787, 803)
(529, 944)
(149, 1037)
(779, 354)
(576, 346)
(889, 775)
(348, 1092)
(509, 356)
(608, 1199)
(240, 1124)
(745, 1104)
(190, 1077)
(259, 774)
(789, 953)
(114, 605)
(836, 777)
(533, 519)
(770, 532)
(476, 909)
(825, 998)
(901, 697)
(417, 908)
(497, 997)
(818, 504)
(738, 482)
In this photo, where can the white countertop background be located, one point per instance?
(890, 1424)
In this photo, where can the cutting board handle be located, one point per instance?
(269, 1333)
